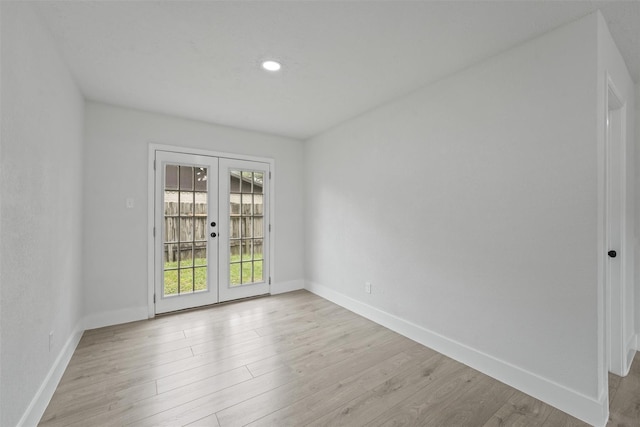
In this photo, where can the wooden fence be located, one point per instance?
(186, 221)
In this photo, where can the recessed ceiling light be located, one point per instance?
(271, 65)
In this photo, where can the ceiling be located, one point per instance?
(201, 59)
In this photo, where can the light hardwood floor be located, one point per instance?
(288, 360)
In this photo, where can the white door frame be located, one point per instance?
(611, 310)
(615, 230)
(153, 147)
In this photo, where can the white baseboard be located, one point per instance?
(588, 409)
(289, 286)
(115, 317)
(40, 401)
(630, 352)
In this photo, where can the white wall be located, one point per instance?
(115, 238)
(472, 208)
(41, 212)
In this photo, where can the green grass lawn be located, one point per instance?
(195, 279)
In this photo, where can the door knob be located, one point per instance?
(213, 224)
(612, 254)
(213, 234)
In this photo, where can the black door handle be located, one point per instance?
(213, 224)
(612, 254)
(213, 234)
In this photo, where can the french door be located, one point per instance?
(211, 230)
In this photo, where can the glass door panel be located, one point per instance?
(186, 187)
(242, 202)
(185, 215)
(245, 263)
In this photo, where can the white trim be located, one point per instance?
(115, 317)
(272, 225)
(198, 151)
(602, 298)
(40, 401)
(590, 410)
(630, 352)
(289, 286)
(151, 191)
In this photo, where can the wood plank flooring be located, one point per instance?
(288, 360)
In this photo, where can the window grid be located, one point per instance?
(246, 211)
(185, 216)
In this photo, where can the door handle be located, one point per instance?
(213, 223)
(612, 254)
(213, 234)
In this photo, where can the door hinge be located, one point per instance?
(269, 174)
(269, 279)
(269, 228)
(154, 298)
(154, 232)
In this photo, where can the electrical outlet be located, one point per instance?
(50, 340)
(367, 287)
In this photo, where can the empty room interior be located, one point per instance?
(229, 213)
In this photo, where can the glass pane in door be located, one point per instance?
(185, 230)
(246, 220)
